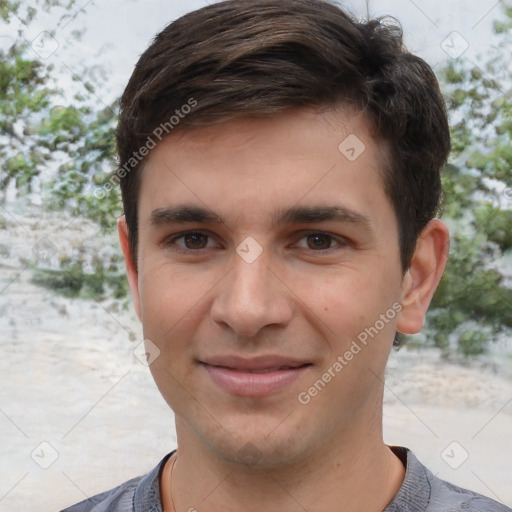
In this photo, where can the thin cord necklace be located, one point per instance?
(172, 469)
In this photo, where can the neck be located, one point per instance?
(337, 477)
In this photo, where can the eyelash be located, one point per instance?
(337, 239)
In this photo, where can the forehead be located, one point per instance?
(257, 166)
(346, 128)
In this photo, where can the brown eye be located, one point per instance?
(191, 242)
(319, 241)
(195, 241)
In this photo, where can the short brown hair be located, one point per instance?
(261, 57)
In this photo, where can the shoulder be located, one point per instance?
(449, 497)
(118, 499)
(140, 494)
(421, 490)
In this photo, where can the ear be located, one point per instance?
(131, 266)
(423, 276)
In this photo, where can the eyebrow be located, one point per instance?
(311, 214)
(184, 213)
(294, 215)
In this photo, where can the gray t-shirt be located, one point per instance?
(421, 491)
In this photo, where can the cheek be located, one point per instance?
(349, 306)
(172, 302)
(341, 298)
(169, 298)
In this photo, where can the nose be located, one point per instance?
(250, 298)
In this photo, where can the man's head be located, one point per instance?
(246, 58)
(280, 234)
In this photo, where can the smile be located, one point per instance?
(253, 378)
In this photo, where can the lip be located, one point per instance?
(256, 377)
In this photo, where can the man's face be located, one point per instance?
(249, 313)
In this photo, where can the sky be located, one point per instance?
(118, 31)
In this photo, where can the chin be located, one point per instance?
(258, 443)
(258, 453)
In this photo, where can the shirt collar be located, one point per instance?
(147, 497)
(413, 495)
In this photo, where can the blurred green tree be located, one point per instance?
(57, 140)
(473, 303)
(65, 144)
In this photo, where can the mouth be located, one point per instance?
(257, 377)
(264, 370)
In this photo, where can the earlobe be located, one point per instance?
(421, 279)
(131, 266)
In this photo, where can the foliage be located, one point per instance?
(41, 129)
(57, 144)
(73, 280)
(469, 291)
(478, 190)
